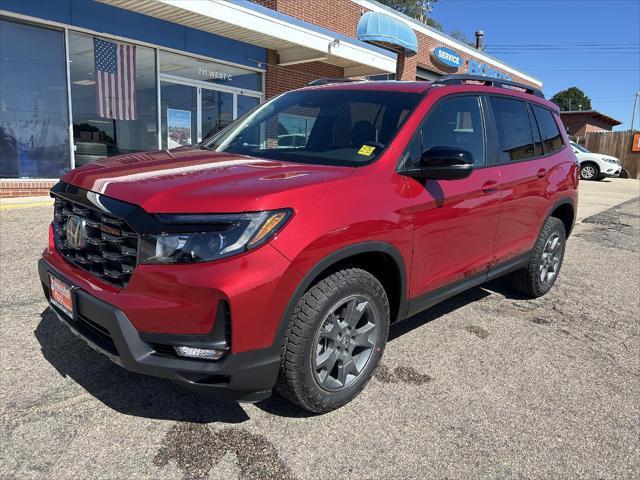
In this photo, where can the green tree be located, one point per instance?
(462, 37)
(418, 9)
(434, 24)
(572, 99)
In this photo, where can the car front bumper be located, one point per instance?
(246, 376)
(611, 172)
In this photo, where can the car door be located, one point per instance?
(525, 167)
(454, 221)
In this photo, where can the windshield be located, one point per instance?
(580, 148)
(327, 127)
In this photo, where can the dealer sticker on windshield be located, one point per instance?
(366, 150)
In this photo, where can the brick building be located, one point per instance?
(421, 66)
(580, 122)
(197, 66)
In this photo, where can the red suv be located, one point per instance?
(243, 264)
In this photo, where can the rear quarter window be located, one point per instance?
(549, 131)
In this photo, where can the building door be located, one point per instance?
(191, 112)
(180, 114)
(216, 112)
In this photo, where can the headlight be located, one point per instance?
(201, 238)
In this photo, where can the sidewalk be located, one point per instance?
(24, 202)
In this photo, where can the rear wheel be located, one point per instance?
(334, 342)
(589, 171)
(545, 261)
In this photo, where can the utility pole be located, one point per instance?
(635, 105)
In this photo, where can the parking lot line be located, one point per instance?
(24, 205)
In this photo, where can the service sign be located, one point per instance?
(446, 57)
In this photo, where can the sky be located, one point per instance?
(591, 44)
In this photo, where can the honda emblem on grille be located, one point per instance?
(76, 232)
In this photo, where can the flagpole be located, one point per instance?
(115, 135)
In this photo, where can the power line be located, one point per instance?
(511, 52)
(604, 70)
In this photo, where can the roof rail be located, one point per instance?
(488, 81)
(326, 81)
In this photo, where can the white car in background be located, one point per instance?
(595, 166)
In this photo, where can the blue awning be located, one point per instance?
(381, 29)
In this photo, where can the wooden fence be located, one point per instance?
(616, 144)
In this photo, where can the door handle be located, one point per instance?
(542, 172)
(490, 186)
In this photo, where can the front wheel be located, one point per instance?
(334, 341)
(545, 261)
(589, 172)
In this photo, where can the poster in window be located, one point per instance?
(178, 128)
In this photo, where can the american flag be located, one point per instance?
(115, 80)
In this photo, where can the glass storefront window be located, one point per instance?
(179, 115)
(34, 116)
(210, 72)
(100, 132)
(34, 104)
(246, 104)
(217, 111)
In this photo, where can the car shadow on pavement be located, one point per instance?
(150, 397)
(500, 286)
(140, 395)
(126, 392)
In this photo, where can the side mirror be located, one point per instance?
(443, 163)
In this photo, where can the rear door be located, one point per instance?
(455, 221)
(525, 163)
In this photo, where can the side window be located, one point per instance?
(515, 141)
(548, 129)
(454, 122)
(538, 150)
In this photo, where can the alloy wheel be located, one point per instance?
(550, 261)
(344, 343)
(588, 172)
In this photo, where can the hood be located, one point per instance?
(188, 180)
(582, 156)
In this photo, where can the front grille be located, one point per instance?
(111, 245)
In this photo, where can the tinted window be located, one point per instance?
(454, 122)
(333, 127)
(538, 150)
(515, 141)
(548, 129)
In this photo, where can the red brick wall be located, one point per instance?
(281, 79)
(342, 16)
(25, 188)
(579, 124)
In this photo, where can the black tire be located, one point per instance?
(529, 279)
(589, 171)
(298, 381)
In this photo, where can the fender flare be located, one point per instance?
(554, 207)
(332, 259)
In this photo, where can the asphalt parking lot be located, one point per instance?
(487, 384)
